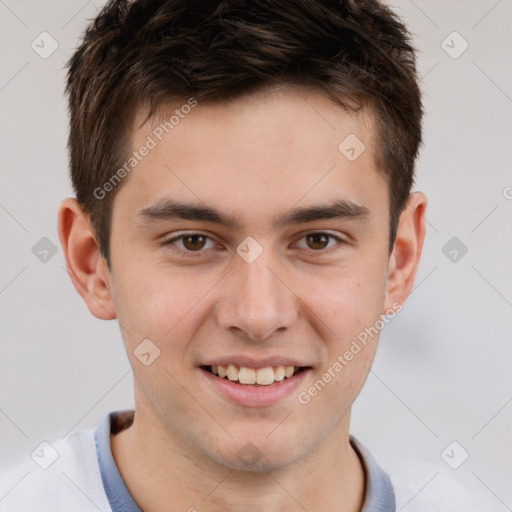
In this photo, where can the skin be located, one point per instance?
(255, 157)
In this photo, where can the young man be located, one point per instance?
(243, 208)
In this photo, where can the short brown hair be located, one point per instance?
(145, 53)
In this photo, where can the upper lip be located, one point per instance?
(251, 362)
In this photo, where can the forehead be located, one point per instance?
(254, 154)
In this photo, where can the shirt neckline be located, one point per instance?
(378, 497)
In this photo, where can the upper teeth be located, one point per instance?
(261, 376)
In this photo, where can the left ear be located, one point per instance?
(405, 257)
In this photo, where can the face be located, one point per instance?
(277, 258)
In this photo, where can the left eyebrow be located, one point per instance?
(169, 209)
(340, 209)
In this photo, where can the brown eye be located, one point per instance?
(317, 240)
(194, 242)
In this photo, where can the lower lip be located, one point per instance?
(253, 395)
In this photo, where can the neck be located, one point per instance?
(159, 469)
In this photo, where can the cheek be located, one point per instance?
(348, 302)
(159, 304)
(349, 305)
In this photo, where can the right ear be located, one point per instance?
(86, 266)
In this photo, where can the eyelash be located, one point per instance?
(195, 254)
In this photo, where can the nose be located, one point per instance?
(257, 301)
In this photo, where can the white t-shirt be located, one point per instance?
(79, 474)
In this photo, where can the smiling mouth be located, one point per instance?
(255, 377)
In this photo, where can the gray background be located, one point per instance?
(442, 372)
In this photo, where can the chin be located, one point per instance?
(261, 463)
(258, 454)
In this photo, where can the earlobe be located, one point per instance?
(405, 257)
(86, 267)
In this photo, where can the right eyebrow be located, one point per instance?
(169, 209)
